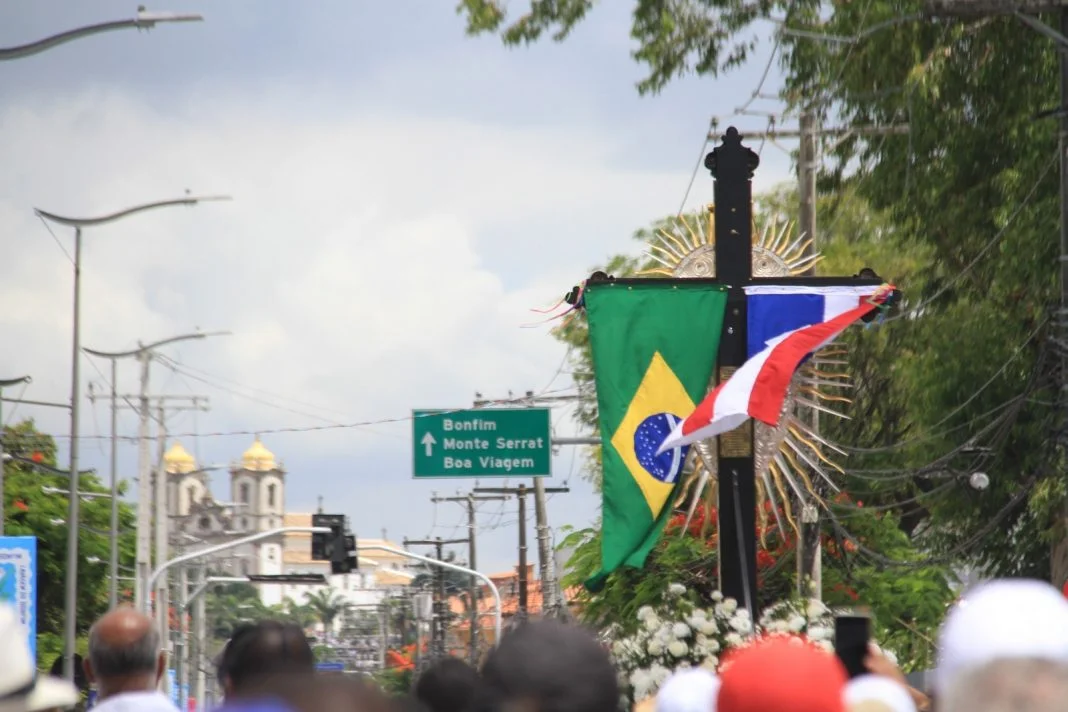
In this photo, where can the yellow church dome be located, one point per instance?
(178, 461)
(258, 458)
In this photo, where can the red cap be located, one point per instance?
(782, 673)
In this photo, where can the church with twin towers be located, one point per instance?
(256, 503)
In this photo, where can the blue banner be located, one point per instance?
(18, 581)
(172, 685)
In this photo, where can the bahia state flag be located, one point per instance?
(789, 325)
(774, 310)
(654, 346)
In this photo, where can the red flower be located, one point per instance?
(20, 505)
(37, 457)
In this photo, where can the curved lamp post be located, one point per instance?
(143, 354)
(70, 610)
(142, 21)
(5, 383)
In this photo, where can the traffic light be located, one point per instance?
(344, 558)
(336, 546)
(322, 543)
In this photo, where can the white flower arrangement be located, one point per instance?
(811, 619)
(679, 635)
(676, 636)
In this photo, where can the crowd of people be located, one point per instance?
(1003, 647)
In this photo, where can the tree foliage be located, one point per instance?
(30, 511)
(673, 37)
(967, 197)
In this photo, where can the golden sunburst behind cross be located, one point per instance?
(791, 455)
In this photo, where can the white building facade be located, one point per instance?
(257, 503)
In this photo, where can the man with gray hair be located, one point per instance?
(126, 664)
(1009, 685)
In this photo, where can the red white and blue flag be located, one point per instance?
(785, 326)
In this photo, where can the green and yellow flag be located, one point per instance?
(654, 346)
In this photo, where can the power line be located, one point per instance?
(319, 428)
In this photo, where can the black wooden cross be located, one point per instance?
(732, 166)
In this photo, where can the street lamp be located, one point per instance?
(5, 383)
(144, 355)
(70, 609)
(30, 462)
(144, 20)
(86, 495)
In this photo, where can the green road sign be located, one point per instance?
(505, 442)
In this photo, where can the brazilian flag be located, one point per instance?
(654, 345)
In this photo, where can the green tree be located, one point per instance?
(972, 184)
(673, 38)
(30, 511)
(231, 605)
(300, 613)
(328, 606)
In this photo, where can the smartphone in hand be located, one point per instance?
(852, 635)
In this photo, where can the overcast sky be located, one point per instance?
(403, 196)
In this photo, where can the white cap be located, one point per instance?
(692, 690)
(1003, 619)
(873, 688)
(21, 690)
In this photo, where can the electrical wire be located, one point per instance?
(968, 401)
(320, 428)
(918, 309)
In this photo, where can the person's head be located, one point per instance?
(781, 673)
(21, 689)
(298, 692)
(875, 693)
(124, 653)
(1005, 619)
(691, 690)
(1009, 685)
(261, 650)
(548, 666)
(448, 685)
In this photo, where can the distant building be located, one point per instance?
(257, 503)
(507, 584)
(380, 573)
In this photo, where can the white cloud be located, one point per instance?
(352, 265)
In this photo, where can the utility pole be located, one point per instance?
(809, 570)
(161, 520)
(521, 493)
(153, 485)
(143, 353)
(546, 562)
(437, 631)
(144, 490)
(5, 383)
(472, 562)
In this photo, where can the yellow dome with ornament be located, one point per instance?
(178, 461)
(258, 458)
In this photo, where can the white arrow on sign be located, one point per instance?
(429, 442)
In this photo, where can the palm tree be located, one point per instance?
(299, 613)
(229, 606)
(327, 605)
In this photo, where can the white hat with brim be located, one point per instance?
(872, 688)
(47, 693)
(21, 688)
